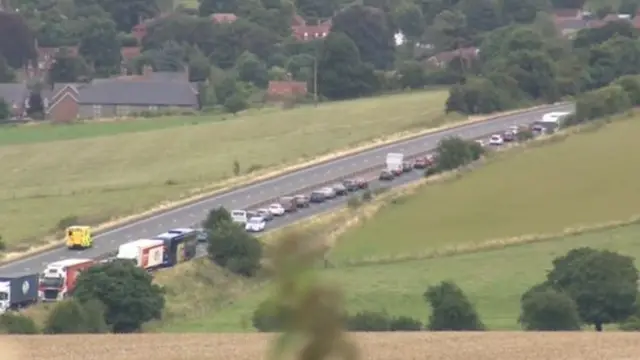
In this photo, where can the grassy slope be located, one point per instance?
(493, 279)
(95, 178)
(585, 179)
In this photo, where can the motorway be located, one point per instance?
(265, 191)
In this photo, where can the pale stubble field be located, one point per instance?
(372, 346)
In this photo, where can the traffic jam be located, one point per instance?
(58, 279)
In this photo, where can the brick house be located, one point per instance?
(305, 32)
(223, 18)
(282, 90)
(122, 96)
(442, 59)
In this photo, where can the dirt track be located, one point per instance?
(380, 346)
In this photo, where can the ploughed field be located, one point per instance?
(92, 172)
(372, 346)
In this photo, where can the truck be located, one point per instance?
(179, 245)
(58, 280)
(147, 254)
(18, 291)
(394, 163)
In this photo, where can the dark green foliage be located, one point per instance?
(451, 310)
(130, 298)
(73, 317)
(631, 85)
(16, 323)
(545, 309)
(235, 103)
(604, 284)
(270, 317)
(454, 152)
(381, 321)
(233, 248)
(602, 102)
(216, 217)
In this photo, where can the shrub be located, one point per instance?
(631, 324)
(369, 321)
(233, 248)
(602, 102)
(544, 309)
(405, 323)
(269, 317)
(454, 152)
(451, 310)
(476, 96)
(631, 85)
(16, 323)
(524, 135)
(67, 221)
(235, 103)
(73, 317)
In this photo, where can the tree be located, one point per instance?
(410, 21)
(545, 309)
(371, 33)
(6, 74)
(72, 317)
(451, 310)
(215, 218)
(127, 13)
(16, 323)
(317, 9)
(412, 75)
(127, 292)
(208, 7)
(67, 69)
(235, 103)
(449, 30)
(341, 74)
(5, 112)
(568, 4)
(604, 284)
(481, 15)
(251, 70)
(17, 43)
(522, 11)
(454, 152)
(99, 46)
(234, 249)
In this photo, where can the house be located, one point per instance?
(223, 18)
(311, 32)
(442, 59)
(16, 95)
(281, 90)
(123, 96)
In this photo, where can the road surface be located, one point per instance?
(267, 190)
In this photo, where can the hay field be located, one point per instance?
(372, 346)
(584, 179)
(494, 278)
(97, 178)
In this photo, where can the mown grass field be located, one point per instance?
(98, 171)
(587, 178)
(373, 346)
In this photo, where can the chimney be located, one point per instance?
(147, 70)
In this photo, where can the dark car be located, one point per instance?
(351, 184)
(340, 189)
(288, 203)
(252, 213)
(421, 163)
(407, 166)
(386, 175)
(302, 200)
(509, 136)
(202, 235)
(317, 197)
(362, 183)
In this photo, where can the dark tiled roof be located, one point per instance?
(139, 93)
(13, 93)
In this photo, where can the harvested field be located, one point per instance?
(92, 178)
(373, 346)
(586, 178)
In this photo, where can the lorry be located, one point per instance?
(179, 245)
(78, 237)
(18, 291)
(58, 280)
(147, 254)
(394, 163)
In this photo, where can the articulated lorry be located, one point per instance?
(147, 254)
(18, 291)
(58, 279)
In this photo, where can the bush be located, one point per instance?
(631, 85)
(16, 323)
(454, 152)
(235, 103)
(405, 323)
(544, 309)
(216, 217)
(524, 135)
(67, 221)
(269, 317)
(451, 310)
(476, 96)
(631, 324)
(72, 317)
(233, 248)
(602, 102)
(381, 321)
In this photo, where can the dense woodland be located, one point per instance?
(521, 58)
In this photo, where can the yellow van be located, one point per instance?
(78, 237)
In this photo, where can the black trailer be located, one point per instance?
(18, 290)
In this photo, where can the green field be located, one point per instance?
(587, 178)
(98, 171)
(493, 279)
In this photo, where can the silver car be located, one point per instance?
(265, 214)
(328, 192)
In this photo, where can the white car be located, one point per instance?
(496, 140)
(514, 129)
(481, 143)
(239, 216)
(276, 209)
(255, 224)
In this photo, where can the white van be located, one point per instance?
(239, 216)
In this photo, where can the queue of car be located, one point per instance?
(256, 220)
